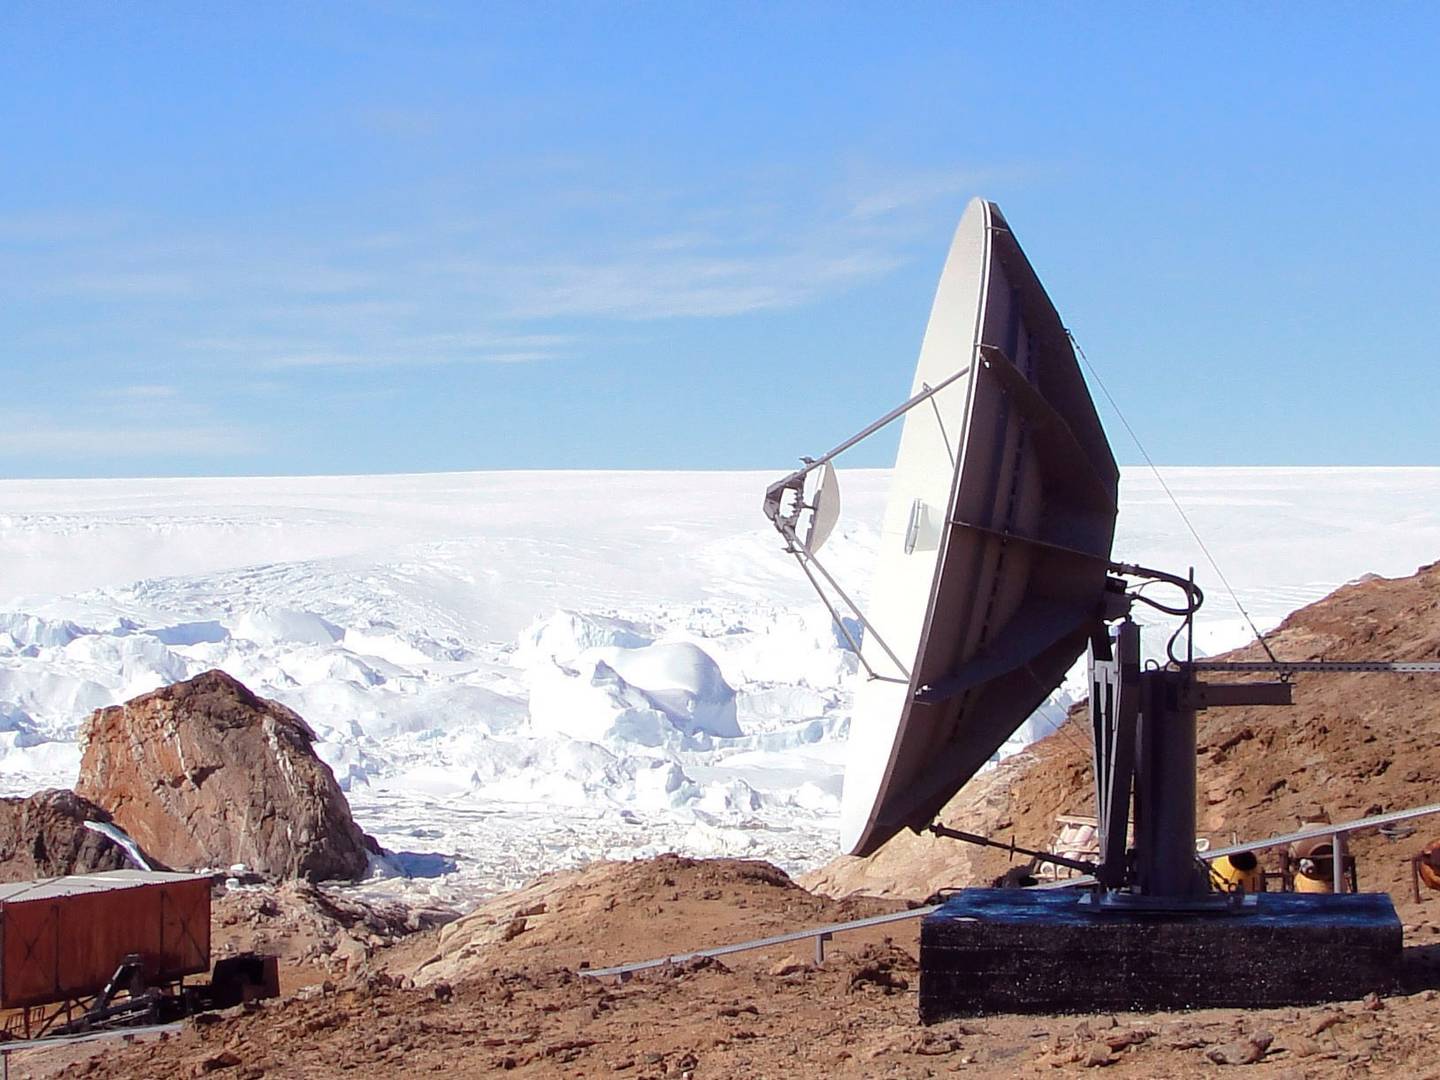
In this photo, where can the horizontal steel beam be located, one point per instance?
(17, 1045)
(1288, 667)
(762, 943)
(1220, 695)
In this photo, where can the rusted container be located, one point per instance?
(62, 938)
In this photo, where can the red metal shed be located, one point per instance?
(62, 938)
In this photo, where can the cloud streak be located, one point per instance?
(668, 286)
(516, 284)
(122, 441)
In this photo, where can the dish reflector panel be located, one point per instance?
(824, 509)
(995, 542)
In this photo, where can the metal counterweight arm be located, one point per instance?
(786, 521)
(806, 560)
(1042, 856)
(1334, 667)
(775, 492)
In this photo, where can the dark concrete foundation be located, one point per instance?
(1033, 951)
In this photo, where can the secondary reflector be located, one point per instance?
(994, 546)
(824, 508)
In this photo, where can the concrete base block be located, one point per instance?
(1031, 951)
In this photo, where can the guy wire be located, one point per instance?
(1171, 495)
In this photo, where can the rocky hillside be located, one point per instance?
(610, 912)
(1351, 745)
(44, 835)
(204, 773)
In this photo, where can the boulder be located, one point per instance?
(204, 773)
(44, 835)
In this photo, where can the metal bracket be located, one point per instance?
(1223, 695)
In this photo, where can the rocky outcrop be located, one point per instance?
(44, 835)
(610, 912)
(204, 773)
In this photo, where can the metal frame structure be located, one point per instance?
(1144, 747)
(785, 503)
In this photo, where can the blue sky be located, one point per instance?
(314, 238)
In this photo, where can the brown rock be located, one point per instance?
(225, 1059)
(936, 1044)
(878, 974)
(791, 965)
(1119, 1040)
(513, 929)
(1242, 1051)
(205, 773)
(1096, 1055)
(44, 835)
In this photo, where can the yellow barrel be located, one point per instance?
(1314, 863)
(1430, 865)
(1239, 872)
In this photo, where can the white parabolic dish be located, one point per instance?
(994, 544)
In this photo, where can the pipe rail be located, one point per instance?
(821, 934)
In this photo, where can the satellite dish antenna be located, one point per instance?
(991, 573)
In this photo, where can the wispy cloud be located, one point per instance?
(908, 192)
(889, 193)
(426, 350)
(127, 441)
(408, 359)
(525, 282)
(684, 285)
(141, 393)
(121, 283)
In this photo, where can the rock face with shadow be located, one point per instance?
(44, 835)
(204, 773)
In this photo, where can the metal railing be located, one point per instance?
(821, 934)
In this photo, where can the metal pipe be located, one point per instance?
(1285, 667)
(948, 833)
(893, 415)
(775, 493)
(820, 940)
(869, 629)
(623, 970)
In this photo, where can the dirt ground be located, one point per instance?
(522, 1006)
